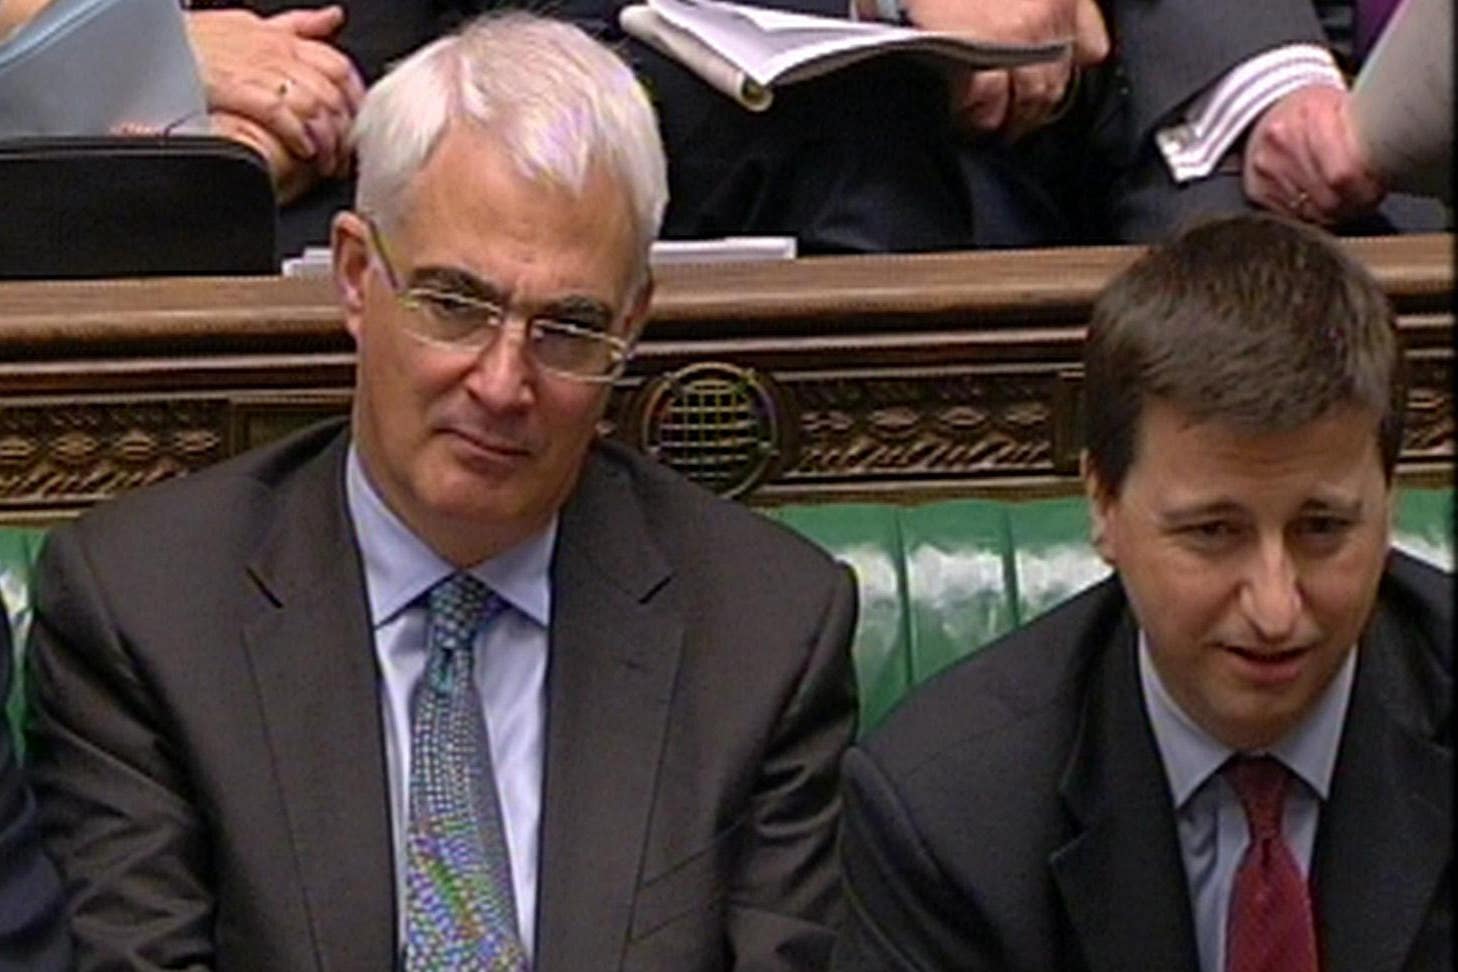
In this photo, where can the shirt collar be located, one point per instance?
(399, 566)
(1190, 754)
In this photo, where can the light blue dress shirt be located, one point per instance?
(510, 668)
(1212, 827)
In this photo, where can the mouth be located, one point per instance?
(1266, 667)
(478, 449)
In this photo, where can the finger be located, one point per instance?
(1034, 92)
(984, 107)
(1315, 199)
(1341, 162)
(1265, 177)
(337, 67)
(267, 105)
(310, 93)
(317, 23)
(1090, 34)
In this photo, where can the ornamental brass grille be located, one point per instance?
(714, 423)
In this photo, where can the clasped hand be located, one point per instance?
(277, 84)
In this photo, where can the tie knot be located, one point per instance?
(459, 606)
(1260, 783)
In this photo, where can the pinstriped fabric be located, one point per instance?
(460, 913)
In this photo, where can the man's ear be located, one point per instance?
(349, 248)
(1099, 502)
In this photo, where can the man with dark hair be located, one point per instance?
(1236, 753)
(32, 927)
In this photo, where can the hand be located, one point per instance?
(1303, 159)
(1017, 101)
(292, 176)
(282, 74)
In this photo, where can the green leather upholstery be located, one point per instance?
(940, 580)
(937, 581)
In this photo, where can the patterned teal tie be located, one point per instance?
(459, 909)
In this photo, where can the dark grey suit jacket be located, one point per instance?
(32, 925)
(1015, 815)
(209, 757)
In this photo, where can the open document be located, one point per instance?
(744, 51)
(87, 67)
(1403, 100)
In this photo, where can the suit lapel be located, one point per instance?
(1122, 878)
(1384, 840)
(615, 643)
(314, 671)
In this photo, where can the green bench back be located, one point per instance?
(940, 580)
(937, 581)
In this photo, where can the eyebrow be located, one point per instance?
(1348, 508)
(456, 281)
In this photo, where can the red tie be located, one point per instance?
(1270, 928)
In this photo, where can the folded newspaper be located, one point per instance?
(745, 51)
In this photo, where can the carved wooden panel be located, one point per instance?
(885, 377)
(70, 452)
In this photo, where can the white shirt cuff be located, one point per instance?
(1194, 147)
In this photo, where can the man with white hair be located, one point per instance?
(455, 685)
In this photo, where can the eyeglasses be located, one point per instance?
(456, 321)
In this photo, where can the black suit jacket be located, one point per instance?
(209, 757)
(32, 927)
(1015, 815)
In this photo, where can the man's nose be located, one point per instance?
(1271, 592)
(502, 374)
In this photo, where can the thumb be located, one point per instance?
(1090, 36)
(316, 23)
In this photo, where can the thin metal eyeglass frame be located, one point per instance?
(618, 349)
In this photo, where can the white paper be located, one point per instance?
(1403, 100)
(743, 50)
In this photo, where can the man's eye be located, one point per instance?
(1324, 526)
(1211, 533)
(458, 308)
(569, 327)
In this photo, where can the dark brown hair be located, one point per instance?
(1252, 320)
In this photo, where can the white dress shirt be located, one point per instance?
(509, 667)
(1214, 120)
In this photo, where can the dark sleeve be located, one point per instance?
(1169, 51)
(784, 898)
(115, 810)
(902, 912)
(32, 924)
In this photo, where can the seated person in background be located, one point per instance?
(1256, 707)
(858, 161)
(261, 740)
(32, 918)
(1203, 107)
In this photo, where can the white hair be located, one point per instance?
(556, 99)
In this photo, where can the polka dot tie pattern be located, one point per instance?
(1270, 927)
(459, 909)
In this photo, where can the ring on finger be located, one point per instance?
(283, 89)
